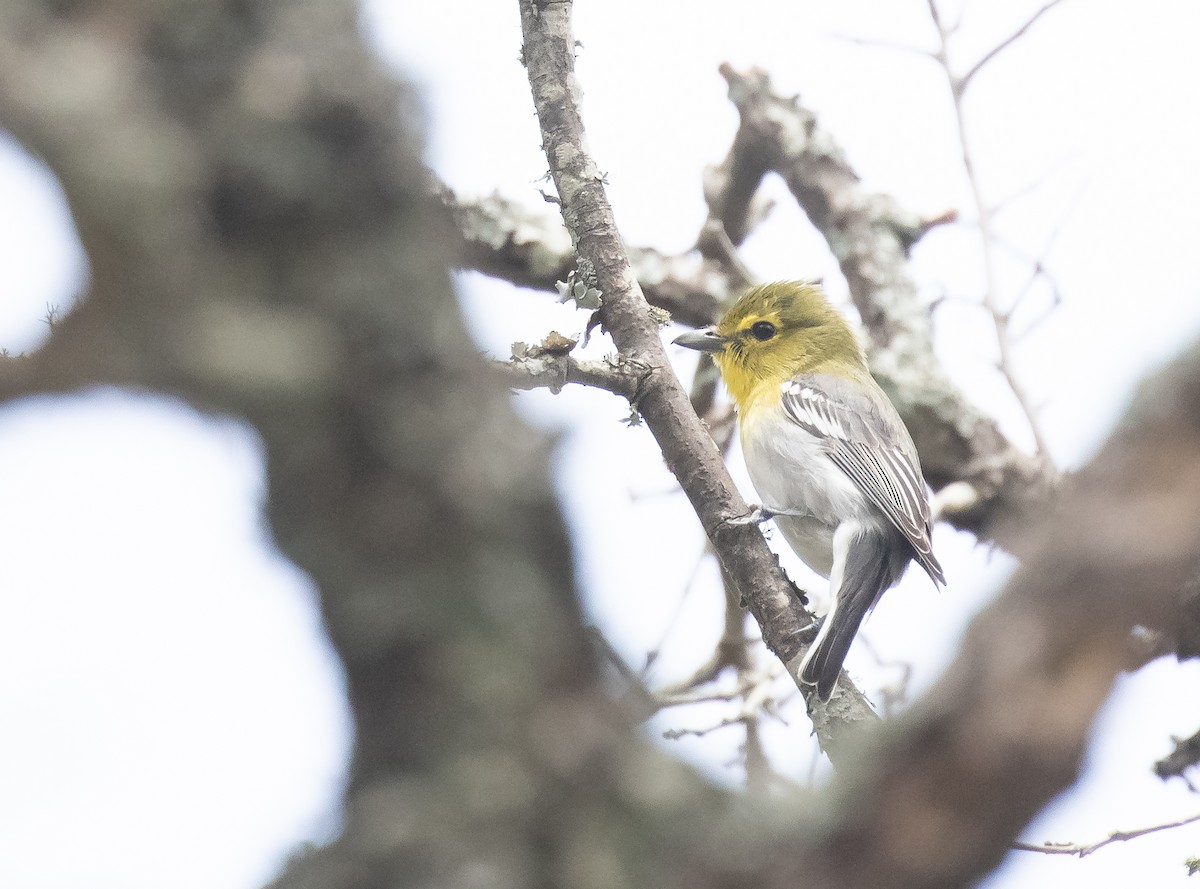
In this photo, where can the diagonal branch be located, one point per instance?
(1117, 836)
(961, 83)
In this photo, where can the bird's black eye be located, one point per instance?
(762, 330)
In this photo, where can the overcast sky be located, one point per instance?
(172, 714)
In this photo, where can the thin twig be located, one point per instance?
(755, 688)
(687, 699)
(674, 734)
(1038, 271)
(1038, 267)
(894, 693)
(684, 690)
(640, 703)
(965, 80)
(1117, 836)
(1000, 317)
(753, 685)
(673, 622)
(1048, 174)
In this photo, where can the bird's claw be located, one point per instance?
(759, 514)
(756, 516)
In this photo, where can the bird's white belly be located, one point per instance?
(791, 472)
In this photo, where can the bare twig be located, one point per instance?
(965, 80)
(1037, 272)
(755, 688)
(1048, 174)
(895, 693)
(1000, 317)
(731, 650)
(688, 585)
(686, 699)
(753, 685)
(684, 691)
(640, 704)
(1117, 836)
(674, 734)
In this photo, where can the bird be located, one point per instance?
(827, 452)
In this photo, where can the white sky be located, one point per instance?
(165, 691)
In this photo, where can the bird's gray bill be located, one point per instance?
(701, 341)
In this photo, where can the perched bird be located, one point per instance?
(827, 452)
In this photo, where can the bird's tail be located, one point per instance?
(867, 573)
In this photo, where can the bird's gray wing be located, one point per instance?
(867, 441)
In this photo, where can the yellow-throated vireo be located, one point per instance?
(827, 452)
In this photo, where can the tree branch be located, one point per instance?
(961, 83)
(619, 376)
(1001, 317)
(1117, 836)
(506, 240)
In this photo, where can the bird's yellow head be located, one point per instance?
(775, 332)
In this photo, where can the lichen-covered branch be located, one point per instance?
(505, 239)
(548, 371)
